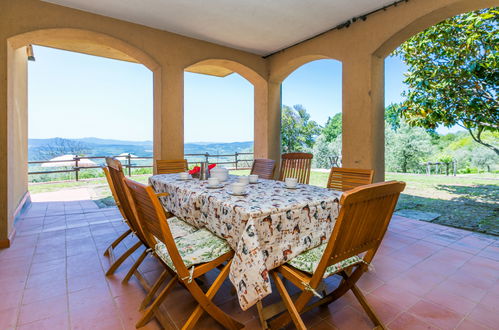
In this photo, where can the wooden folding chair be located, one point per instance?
(264, 168)
(110, 250)
(170, 166)
(296, 165)
(363, 220)
(190, 256)
(343, 179)
(116, 175)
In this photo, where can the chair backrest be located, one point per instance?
(344, 179)
(171, 166)
(365, 213)
(264, 168)
(152, 218)
(116, 175)
(296, 165)
(113, 191)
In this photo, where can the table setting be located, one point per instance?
(266, 222)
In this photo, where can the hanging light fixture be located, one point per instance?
(29, 52)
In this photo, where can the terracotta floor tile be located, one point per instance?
(43, 309)
(10, 300)
(368, 282)
(385, 310)
(56, 322)
(90, 298)
(58, 265)
(40, 279)
(451, 301)
(463, 289)
(349, 318)
(392, 294)
(485, 315)
(407, 321)
(436, 315)
(470, 325)
(49, 290)
(8, 318)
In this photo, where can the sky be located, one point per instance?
(75, 95)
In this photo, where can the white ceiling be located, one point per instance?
(258, 26)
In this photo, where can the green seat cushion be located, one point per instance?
(195, 248)
(309, 260)
(179, 227)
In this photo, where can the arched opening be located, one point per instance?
(224, 113)
(431, 121)
(311, 119)
(75, 40)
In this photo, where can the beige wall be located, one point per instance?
(361, 49)
(18, 129)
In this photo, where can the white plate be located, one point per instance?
(234, 194)
(218, 186)
(291, 187)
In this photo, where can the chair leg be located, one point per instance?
(136, 265)
(263, 321)
(117, 241)
(295, 314)
(153, 290)
(149, 313)
(205, 304)
(122, 258)
(369, 310)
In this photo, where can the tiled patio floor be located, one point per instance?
(426, 276)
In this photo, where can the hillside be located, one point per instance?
(42, 149)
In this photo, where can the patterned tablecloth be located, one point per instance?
(266, 228)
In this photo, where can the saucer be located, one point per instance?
(215, 187)
(234, 194)
(291, 187)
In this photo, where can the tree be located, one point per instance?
(453, 75)
(327, 154)
(333, 128)
(392, 115)
(406, 148)
(298, 132)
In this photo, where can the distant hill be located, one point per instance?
(108, 147)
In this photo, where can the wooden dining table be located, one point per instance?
(267, 227)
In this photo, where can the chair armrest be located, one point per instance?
(163, 194)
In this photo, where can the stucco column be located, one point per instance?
(363, 114)
(267, 120)
(169, 119)
(3, 145)
(274, 123)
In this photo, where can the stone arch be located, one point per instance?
(280, 73)
(85, 41)
(224, 67)
(427, 20)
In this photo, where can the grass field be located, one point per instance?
(469, 201)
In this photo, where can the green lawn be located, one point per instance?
(469, 201)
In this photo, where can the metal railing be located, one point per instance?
(127, 162)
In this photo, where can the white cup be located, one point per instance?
(291, 182)
(253, 178)
(184, 175)
(244, 179)
(238, 188)
(213, 182)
